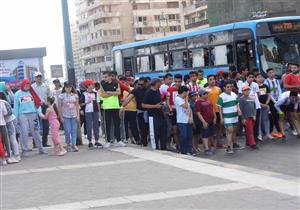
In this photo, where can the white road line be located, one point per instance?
(266, 182)
(69, 167)
(144, 197)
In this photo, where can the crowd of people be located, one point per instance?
(178, 113)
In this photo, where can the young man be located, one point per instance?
(244, 72)
(192, 85)
(207, 116)
(91, 105)
(168, 79)
(248, 110)
(201, 79)
(157, 124)
(193, 98)
(288, 104)
(213, 94)
(172, 92)
(110, 91)
(184, 120)
(229, 113)
(274, 86)
(292, 80)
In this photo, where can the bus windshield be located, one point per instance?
(279, 50)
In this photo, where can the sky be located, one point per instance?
(34, 23)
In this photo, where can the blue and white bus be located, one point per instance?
(263, 43)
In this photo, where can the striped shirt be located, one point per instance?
(228, 103)
(193, 87)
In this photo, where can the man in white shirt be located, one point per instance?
(43, 91)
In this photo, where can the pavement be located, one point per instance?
(140, 178)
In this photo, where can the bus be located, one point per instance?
(264, 43)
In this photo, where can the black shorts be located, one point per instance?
(209, 131)
(173, 117)
(287, 108)
(197, 129)
(218, 120)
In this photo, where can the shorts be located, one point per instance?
(209, 131)
(197, 130)
(287, 108)
(228, 125)
(218, 120)
(173, 117)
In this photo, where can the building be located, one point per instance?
(18, 64)
(195, 14)
(79, 75)
(228, 11)
(102, 25)
(155, 18)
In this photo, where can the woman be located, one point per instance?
(68, 108)
(27, 106)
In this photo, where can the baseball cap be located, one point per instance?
(67, 84)
(219, 72)
(202, 91)
(245, 87)
(88, 82)
(36, 74)
(192, 93)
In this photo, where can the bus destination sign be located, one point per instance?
(288, 26)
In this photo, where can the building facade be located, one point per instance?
(228, 11)
(195, 14)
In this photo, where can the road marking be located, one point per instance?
(266, 182)
(69, 167)
(144, 197)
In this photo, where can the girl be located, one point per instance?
(51, 115)
(68, 106)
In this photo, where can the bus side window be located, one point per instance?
(197, 58)
(161, 62)
(128, 64)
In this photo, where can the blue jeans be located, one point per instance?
(185, 137)
(70, 126)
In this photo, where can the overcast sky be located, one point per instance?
(34, 23)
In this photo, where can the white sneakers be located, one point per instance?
(106, 145)
(119, 144)
(12, 160)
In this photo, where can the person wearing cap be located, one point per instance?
(43, 91)
(68, 108)
(57, 89)
(27, 106)
(152, 103)
(208, 118)
(91, 106)
(110, 91)
(248, 115)
(184, 120)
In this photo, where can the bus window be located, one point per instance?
(143, 64)
(128, 64)
(245, 54)
(118, 62)
(161, 62)
(221, 58)
(197, 58)
(178, 59)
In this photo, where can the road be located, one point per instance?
(140, 178)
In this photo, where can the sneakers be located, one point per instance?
(42, 152)
(208, 152)
(3, 162)
(11, 160)
(294, 132)
(62, 152)
(18, 158)
(237, 146)
(91, 145)
(254, 147)
(121, 144)
(107, 145)
(278, 135)
(259, 138)
(98, 145)
(229, 150)
(283, 139)
(69, 148)
(75, 148)
(270, 137)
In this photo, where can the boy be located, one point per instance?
(248, 109)
(91, 104)
(207, 116)
(229, 114)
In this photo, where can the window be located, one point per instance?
(172, 17)
(159, 48)
(128, 64)
(178, 44)
(161, 62)
(178, 59)
(220, 37)
(142, 51)
(157, 17)
(173, 28)
(142, 19)
(118, 61)
(108, 58)
(157, 29)
(143, 64)
(198, 58)
(139, 30)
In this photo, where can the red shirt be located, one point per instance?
(172, 92)
(123, 87)
(206, 110)
(292, 79)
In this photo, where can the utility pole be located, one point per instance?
(68, 43)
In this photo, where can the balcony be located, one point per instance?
(196, 24)
(194, 7)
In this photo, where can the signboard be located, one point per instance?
(56, 71)
(18, 69)
(287, 26)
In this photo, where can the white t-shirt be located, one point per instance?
(3, 112)
(182, 113)
(254, 89)
(90, 96)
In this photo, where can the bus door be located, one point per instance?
(244, 48)
(128, 60)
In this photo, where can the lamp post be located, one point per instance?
(163, 19)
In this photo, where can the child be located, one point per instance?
(229, 111)
(51, 115)
(184, 120)
(207, 116)
(248, 109)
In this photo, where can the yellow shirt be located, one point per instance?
(202, 82)
(213, 95)
(131, 106)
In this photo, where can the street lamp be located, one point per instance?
(163, 19)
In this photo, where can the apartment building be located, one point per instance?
(102, 25)
(195, 14)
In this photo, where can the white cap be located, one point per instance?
(36, 74)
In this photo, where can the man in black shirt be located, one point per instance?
(139, 93)
(157, 125)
